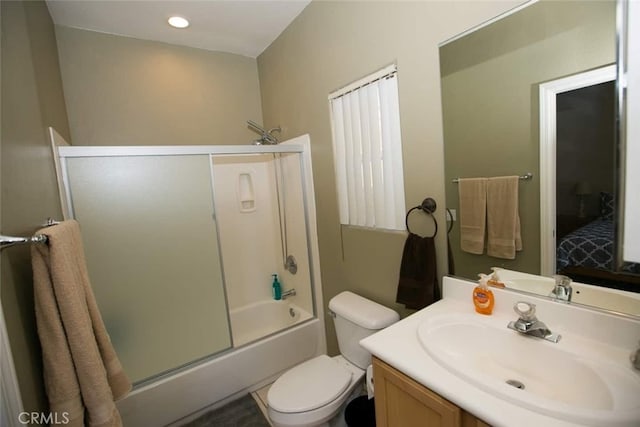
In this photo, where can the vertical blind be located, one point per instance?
(367, 149)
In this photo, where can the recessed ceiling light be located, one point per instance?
(178, 22)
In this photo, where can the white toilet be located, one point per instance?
(315, 391)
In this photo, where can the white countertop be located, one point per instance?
(399, 346)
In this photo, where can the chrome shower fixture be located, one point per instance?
(266, 136)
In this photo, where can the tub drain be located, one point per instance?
(516, 384)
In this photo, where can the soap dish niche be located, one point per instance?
(246, 193)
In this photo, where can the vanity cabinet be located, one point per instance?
(402, 402)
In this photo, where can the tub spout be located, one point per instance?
(289, 293)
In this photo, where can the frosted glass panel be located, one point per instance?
(152, 252)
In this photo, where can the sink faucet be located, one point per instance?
(289, 293)
(528, 324)
(562, 290)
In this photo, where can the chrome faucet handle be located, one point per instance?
(563, 281)
(525, 310)
(528, 324)
(562, 289)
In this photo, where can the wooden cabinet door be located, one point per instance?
(468, 420)
(402, 402)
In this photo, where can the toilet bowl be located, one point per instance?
(292, 402)
(316, 391)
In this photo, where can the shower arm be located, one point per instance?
(267, 135)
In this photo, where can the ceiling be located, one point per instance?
(243, 27)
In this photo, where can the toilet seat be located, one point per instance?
(308, 386)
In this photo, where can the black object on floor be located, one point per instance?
(243, 412)
(360, 412)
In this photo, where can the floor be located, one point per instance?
(260, 397)
(248, 411)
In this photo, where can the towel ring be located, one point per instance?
(450, 219)
(428, 206)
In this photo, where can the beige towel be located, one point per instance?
(81, 368)
(503, 220)
(473, 209)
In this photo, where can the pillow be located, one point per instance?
(606, 205)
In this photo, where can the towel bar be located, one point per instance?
(526, 177)
(8, 241)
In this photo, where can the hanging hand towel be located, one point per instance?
(503, 220)
(472, 193)
(81, 369)
(418, 283)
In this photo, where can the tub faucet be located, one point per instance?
(562, 290)
(528, 324)
(289, 293)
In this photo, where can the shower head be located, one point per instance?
(266, 136)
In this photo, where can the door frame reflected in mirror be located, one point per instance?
(548, 124)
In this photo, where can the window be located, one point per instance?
(367, 149)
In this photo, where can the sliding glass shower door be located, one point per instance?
(149, 228)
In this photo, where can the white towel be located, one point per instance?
(473, 209)
(503, 220)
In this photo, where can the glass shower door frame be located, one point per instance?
(66, 152)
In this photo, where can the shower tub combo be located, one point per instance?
(223, 378)
(181, 244)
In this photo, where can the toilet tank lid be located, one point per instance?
(361, 311)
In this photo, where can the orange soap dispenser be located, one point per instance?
(482, 296)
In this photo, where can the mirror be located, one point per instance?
(491, 81)
(628, 104)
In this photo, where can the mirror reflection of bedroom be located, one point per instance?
(585, 188)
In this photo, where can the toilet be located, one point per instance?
(315, 391)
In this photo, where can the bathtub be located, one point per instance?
(246, 367)
(262, 319)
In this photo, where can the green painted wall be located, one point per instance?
(329, 45)
(126, 91)
(32, 100)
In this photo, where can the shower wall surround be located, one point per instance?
(252, 240)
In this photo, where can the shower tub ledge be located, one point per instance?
(237, 371)
(263, 318)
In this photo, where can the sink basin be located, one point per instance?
(557, 379)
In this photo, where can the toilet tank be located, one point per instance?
(355, 318)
